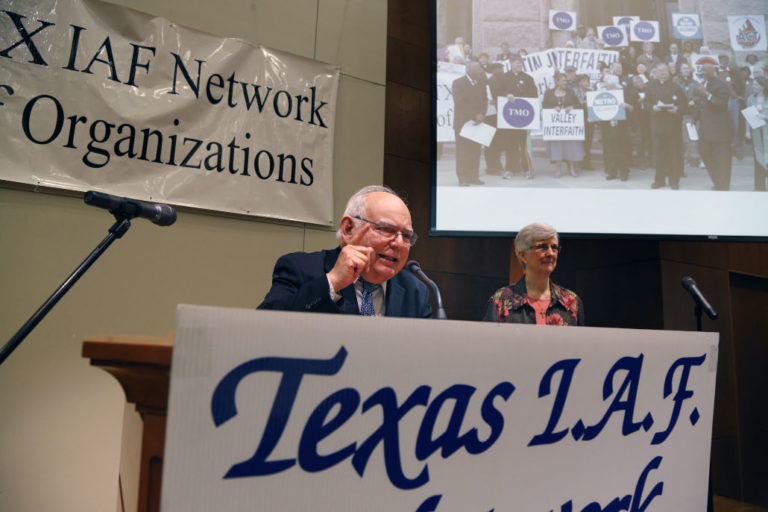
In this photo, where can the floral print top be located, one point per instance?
(510, 304)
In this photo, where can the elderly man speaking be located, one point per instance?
(362, 275)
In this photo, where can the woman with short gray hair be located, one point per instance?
(534, 299)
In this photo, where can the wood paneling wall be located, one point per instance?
(623, 283)
(734, 278)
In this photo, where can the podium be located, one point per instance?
(507, 442)
(141, 364)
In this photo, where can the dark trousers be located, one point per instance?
(617, 148)
(467, 160)
(642, 128)
(514, 144)
(589, 134)
(717, 157)
(666, 154)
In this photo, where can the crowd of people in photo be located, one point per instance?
(674, 119)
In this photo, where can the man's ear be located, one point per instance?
(347, 227)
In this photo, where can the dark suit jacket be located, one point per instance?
(299, 283)
(551, 101)
(664, 122)
(520, 84)
(468, 101)
(714, 121)
(677, 64)
(650, 62)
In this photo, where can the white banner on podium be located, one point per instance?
(277, 411)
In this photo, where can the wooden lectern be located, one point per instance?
(142, 366)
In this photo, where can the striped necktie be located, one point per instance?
(366, 305)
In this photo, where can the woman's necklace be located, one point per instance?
(541, 305)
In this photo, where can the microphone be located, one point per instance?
(160, 214)
(414, 267)
(690, 285)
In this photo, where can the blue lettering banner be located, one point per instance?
(294, 411)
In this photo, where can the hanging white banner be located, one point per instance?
(446, 74)
(96, 96)
(542, 65)
(281, 411)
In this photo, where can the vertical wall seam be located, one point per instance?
(314, 56)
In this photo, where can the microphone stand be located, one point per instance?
(697, 311)
(440, 310)
(415, 268)
(118, 229)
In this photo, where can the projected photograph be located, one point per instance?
(601, 117)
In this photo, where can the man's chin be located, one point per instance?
(378, 276)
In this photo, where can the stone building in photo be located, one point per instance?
(485, 24)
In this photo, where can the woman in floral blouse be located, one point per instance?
(534, 299)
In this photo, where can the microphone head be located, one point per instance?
(688, 283)
(166, 215)
(413, 266)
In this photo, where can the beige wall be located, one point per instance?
(61, 421)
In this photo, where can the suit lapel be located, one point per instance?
(348, 304)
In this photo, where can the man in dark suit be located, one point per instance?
(511, 84)
(362, 275)
(715, 127)
(470, 103)
(674, 60)
(665, 100)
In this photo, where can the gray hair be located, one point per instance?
(359, 200)
(531, 234)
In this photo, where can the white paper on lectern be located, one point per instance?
(397, 358)
(481, 133)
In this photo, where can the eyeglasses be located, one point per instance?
(390, 231)
(544, 247)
